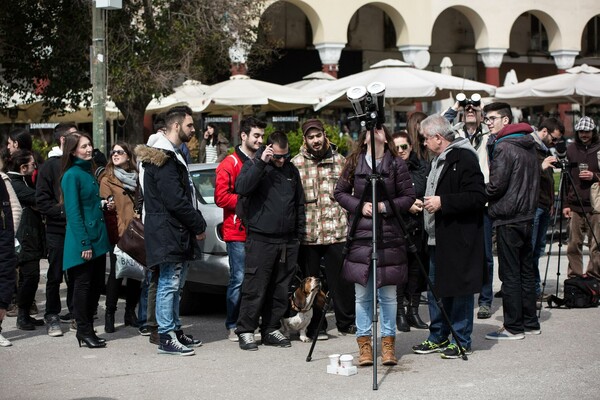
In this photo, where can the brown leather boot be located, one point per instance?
(365, 350)
(388, 350)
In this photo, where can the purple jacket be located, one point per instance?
(392, 263)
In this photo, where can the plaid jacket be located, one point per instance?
(326, 221)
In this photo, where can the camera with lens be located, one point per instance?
(474, 100)
(368, 104)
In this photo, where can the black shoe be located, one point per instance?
(401, 321)
(36, 322)
(109, 322)
(130, 318)
(24, 324)
(154, 337)
(144, 330)
(66, 318)
(276, 339)
(498, 295)
(414, 319)
(170, 345)
(347, 330)
(187, 340)
(247, 342)
(90, 341)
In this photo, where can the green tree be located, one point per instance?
(152, 46)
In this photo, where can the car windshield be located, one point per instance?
(204, 180)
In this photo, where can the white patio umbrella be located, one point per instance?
(241, 94)
(402, 83)
(312, 81)
(579, 85)
(191, 93)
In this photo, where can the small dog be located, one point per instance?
(302, 301)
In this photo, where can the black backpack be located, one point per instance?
(580, 292)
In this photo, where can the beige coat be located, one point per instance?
(110, 185)
(15, 206)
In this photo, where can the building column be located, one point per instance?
(237, 55)
(416, 55)
(330, 54)
(492, 59)
(565, 59)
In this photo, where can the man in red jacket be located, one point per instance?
(252, 131)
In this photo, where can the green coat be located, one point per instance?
(85, 220)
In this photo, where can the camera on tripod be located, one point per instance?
(368, 104)
(474, 100)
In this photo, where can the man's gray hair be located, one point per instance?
(437, 125)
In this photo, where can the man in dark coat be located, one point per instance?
(454, 204)
(275, 221)
(172, 223)
(513, 192)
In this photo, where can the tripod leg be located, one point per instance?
(319, 327)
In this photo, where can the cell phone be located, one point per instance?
(110, 198)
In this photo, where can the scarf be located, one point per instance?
(128, 179)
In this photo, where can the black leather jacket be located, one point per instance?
(513, 188)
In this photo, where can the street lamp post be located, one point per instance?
(98, 63)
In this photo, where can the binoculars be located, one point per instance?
(475, 100)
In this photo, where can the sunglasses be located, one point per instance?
(280, 156)
(402, 146)
(119, 152)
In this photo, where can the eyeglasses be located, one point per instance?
(491, 119)
(119, 152)
(555, 139)
(402, 146)
(280, 156)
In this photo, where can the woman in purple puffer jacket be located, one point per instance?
(392, 259)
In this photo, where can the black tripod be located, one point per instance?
(558, 205)
(375, 183)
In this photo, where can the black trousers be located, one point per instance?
(268, 271)
(87, 279)
(55, 243)
(330, 256)
(416, 282)
(29, 278)
(515, 270)
(132, 293)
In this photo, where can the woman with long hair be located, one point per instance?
(86, 239)
(411, 291)
(213, 147)
(412, 127)
(30, 235)
(391, 249)
(120, 180)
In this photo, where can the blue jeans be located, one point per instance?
(458, 308)
(487, 294)
(538, 241)
(143, 304)
(170, 283)
(237, 258)
(364, 309)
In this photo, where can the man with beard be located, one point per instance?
(234, 232)
(472, 127)
(172, 222)
(583, 153)
(549, 132)
(274, 224)
(320, 166)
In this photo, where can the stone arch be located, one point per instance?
(590, 37)
(477, 24)
(550, 25)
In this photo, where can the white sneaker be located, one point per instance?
(232, 336)
(4, 342)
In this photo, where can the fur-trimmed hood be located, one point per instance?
(152, 155)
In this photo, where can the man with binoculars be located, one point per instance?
(471, 126)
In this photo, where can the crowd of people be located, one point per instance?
(448, 182)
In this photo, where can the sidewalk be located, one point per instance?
(563, 362)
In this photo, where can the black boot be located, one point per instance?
(414, 319)
(109, 322)
(401, 322)
(89, 338)
(24, 322)
(130, 318)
